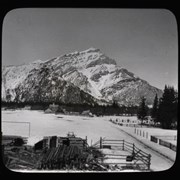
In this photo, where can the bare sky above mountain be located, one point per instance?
(142, 40)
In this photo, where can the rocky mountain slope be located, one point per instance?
(80, 77)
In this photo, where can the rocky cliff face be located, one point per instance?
(80, 77)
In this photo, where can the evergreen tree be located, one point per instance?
(142, 110)
(175, 110)
(154, 111)
(167, 107)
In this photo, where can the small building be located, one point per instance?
(48, 111)
(74, 113)
(27, 108)
(54, 141)
(54, 107)
(87, 113)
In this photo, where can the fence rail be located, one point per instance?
(167, 137)
(140, 151)
(154, 139)
(167, 144)
(163, 143)
(139, 156)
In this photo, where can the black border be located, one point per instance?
(6, 6)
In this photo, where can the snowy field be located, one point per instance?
(50, 124)
(42, 124)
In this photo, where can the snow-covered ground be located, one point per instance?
(50, 124)
(42, 124)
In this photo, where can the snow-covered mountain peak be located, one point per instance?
(71, 54)
(90, 71)
(90, 50)
(87, 51)
(38, 61)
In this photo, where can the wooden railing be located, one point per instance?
(138, 156)
(164, 143)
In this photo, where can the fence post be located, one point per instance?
(140, 132)
(133, 149)
(149, 161)
(170, 146)
(143, 133)
(146, 135)
(100, 142)
(123, 145)
(135, 130)
(29, 128)
(86, 141)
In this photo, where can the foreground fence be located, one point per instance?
(139, 158)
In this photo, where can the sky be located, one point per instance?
(144, 41)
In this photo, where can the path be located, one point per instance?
(158, 162)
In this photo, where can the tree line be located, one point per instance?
(164, 110)
(99, 110)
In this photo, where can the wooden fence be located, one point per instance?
(154, 139)
(140, 158)
(167, 144)
(164, 143)
(140, 132)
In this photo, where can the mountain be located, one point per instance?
(80, 77)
